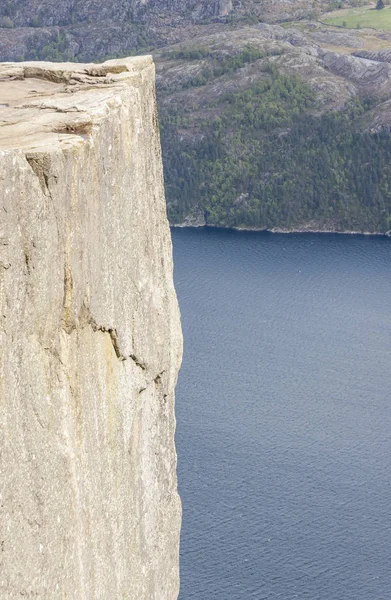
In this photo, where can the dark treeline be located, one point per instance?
(266, 161)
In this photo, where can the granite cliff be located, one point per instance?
(90, 338)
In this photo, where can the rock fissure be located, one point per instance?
(67, 322)
(40, 165)
(113, 337)
(137, 362)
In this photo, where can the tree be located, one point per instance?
(379, 5)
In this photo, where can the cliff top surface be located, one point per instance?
(49, 104)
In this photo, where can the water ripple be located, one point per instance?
(284, 416)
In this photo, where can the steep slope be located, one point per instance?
(90, 339)
(270, 127)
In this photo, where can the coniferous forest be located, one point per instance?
(270, 160)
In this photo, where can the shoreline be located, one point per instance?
(386, 234)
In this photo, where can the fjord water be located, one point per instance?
(284, 415)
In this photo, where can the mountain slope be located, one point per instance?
(93, 29)
(262, 125)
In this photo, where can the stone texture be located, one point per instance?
(369, 75)
(90, 338)
(383, 55)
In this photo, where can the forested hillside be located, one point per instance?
(267, 128)
(263, 125)
(267, 163)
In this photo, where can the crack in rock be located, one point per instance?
(40, 164)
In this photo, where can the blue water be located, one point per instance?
(284, 416)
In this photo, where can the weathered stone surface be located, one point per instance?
(345, 37)
(361, 71)
(383, 55)
(90, 339)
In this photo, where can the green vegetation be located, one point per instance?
(6, 23)
(361, 17)
(216, 66)
(7, 8)
(195, 53)
(266, 162)
(55, 51)
(35, 22)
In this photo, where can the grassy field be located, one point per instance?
(361, 17)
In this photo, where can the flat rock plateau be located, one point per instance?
(90, 337)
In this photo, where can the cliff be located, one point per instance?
(90, 339)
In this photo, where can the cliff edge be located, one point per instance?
(90, 338)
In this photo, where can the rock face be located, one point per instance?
(90, 339)
(370, 75)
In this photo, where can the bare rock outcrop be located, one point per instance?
(347, 38)
(365, 73)
(90, 338)
(382, 55)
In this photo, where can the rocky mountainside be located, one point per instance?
(324, 82)
(93, 29)
(335, 64)
(242, 85)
